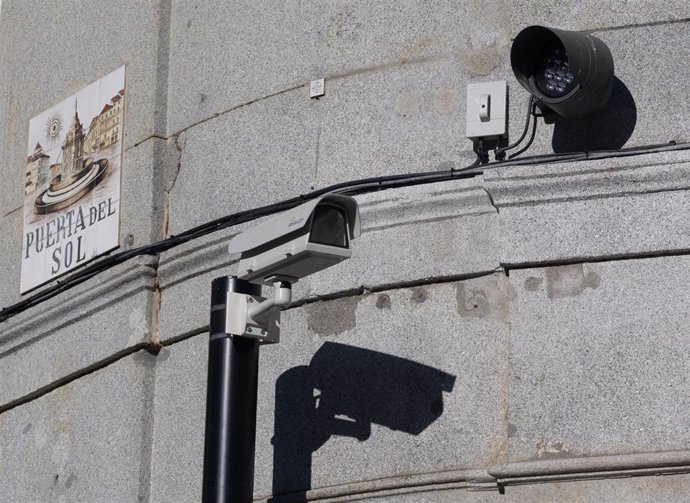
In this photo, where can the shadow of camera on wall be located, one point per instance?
(608, 129)
(343, 391)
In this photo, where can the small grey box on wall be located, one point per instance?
(487, 109)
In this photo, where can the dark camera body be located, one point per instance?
(583, 60)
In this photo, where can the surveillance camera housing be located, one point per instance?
(569, 72)
(298, 242)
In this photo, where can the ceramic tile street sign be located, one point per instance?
(72, 181)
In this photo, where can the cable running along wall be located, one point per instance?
(351, 188)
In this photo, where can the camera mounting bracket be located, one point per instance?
(257, 317)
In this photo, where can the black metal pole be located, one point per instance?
(233, 364)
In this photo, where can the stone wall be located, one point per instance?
(517, 336)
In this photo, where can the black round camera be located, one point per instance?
(569, 72)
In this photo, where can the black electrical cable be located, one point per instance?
(479, 160)
(350, 188)
(354, 187)
(482, 153)
(500, 153)
(531, 138)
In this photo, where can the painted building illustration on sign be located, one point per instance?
(37, 169)
(72, 182)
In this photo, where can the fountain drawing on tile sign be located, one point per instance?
(72, 182)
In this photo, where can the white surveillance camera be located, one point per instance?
(298, 242)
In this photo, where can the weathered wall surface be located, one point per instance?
(524, 329)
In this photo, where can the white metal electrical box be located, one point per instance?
(487, 109)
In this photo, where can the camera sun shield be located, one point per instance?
(298, 242)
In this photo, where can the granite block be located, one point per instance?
(180, 405)
(51, 51)
(178, 433)
(88, 440)
(591, 15)
(612, 176)
(400, 119)
(130, 37)
(77, 330)
(10, 256)
(7, 199)
(667, 489)
(298, 43)
(147, 170)
(590, 229)
(598, 359)
(254, 156)
(567, 211)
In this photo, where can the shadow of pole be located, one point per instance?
(342, 392)
(608, 129)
